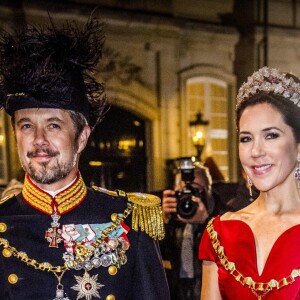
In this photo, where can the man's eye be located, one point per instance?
(54, 126)
(25, 126)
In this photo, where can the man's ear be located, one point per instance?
(83, 138)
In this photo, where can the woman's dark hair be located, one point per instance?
(289, 111)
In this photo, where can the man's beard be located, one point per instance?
(46, 174)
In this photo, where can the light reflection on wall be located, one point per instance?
(127, 145)
(123, 145)
(94, 163)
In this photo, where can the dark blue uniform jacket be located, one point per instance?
(142, 277)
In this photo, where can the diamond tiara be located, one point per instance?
(270, 80)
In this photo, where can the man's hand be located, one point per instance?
(169, 204)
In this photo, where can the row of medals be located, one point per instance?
(111, 252)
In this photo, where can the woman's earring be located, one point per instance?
(250, 185)
(297, 172)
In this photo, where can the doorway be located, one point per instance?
(115, 157)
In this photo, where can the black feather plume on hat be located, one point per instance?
(45, 66)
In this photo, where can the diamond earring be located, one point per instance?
(250, 185)
(297, 172)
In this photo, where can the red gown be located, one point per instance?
(239, 246)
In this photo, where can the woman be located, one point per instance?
(254, 253)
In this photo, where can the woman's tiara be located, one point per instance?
(270, 80)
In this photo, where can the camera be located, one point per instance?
(186, 207)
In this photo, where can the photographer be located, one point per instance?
(184, 224)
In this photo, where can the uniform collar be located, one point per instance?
(64, 201)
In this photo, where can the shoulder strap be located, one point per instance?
(115, 193)
(6, 198)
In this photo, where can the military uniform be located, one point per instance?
(136, 273)
(77, 243)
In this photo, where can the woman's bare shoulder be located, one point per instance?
(230, 216)
(242, 214)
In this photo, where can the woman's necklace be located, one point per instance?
(259, 289)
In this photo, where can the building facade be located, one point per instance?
(165, 61)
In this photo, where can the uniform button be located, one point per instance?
(112, 270)
(114, 217)
(110, 297)
(13, 278)
(3, 227)
(6, 253)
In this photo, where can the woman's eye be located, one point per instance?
(272, 135)
(245, 139)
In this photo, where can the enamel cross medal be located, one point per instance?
(53, 234)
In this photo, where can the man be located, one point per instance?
(180, 246)
(60, 239)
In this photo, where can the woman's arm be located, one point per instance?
(210, 286)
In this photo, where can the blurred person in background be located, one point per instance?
(14, 186)
(184, 224)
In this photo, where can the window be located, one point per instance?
(210, 97)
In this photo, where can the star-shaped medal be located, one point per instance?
(87, 286)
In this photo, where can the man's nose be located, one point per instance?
(40, 137)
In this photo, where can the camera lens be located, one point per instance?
(186, 207)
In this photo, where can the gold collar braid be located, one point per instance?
(259, 289)
(64, 201)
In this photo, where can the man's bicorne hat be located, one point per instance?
(49, 67)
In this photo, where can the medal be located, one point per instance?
(53, 234)
(60, 293)
(87, 286)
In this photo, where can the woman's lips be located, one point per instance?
(261, 169)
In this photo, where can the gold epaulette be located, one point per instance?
(6, 198)
(147, 214)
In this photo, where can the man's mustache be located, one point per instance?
(37, 152)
